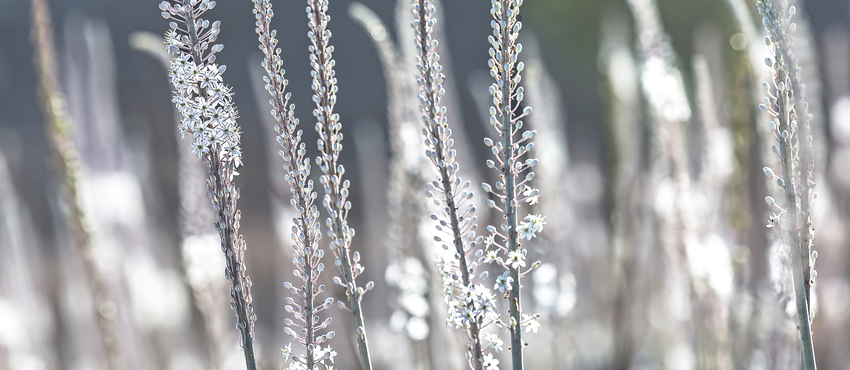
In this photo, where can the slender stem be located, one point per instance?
(474, 330)
(440, 149)
(509, 171)
(225, 193)
(308, 252)
(804, 157)
(789, 94)
(308, 301)
(297, 177)
(323, 75)
(797, 249)
(233, 244)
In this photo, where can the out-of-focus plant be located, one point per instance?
(626, 184)
(59, 132)
(791, 129)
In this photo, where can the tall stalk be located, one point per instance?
(336, 189)
(470, 305)
(507, 98)
(209, 115)
(59, 128)
(790, 126)
(307, 231)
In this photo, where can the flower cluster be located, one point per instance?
(532, 225)
(203, 100)
(474, 304)
(470, 305)
(321, 355)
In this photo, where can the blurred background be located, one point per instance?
(641, 270)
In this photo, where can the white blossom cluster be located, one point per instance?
(201, 97)
(306, 231)
(321, 355)
(512, 190)
(467, 304)
(470, 305)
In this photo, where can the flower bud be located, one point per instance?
(769, 173)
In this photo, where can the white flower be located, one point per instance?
(773, 220)
(206, 105)
(532, 225)
(286, 352)
(468, 316)
(531, 194)
(467, 293)
(490, 256)
(321, 354)
(495, 341)
(484, 302)
(330, 353)
(482, 293)
(531, 323)
(488, 240)
(516, 259)
(490, 363)
(526, 231)
(503, 282)
(200, 147)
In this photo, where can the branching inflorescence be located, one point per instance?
(503, 245)
(306, 231)
(470, 305)
(335, 200)
(790, 126)
(208, 114)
